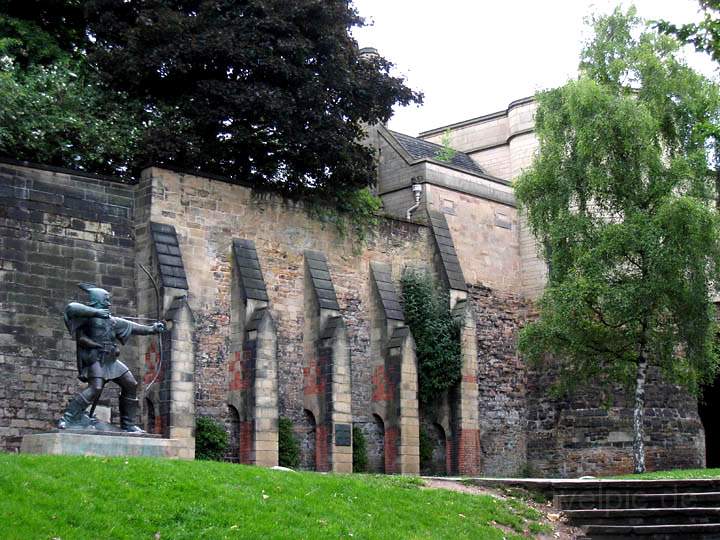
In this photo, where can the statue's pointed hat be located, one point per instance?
(97, 295)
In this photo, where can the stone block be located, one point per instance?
(271, 436)
(182, 432)
(410, 431)
(266, 458)
(266, 425)
(266, 445)
(83, 444)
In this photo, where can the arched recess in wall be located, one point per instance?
(232, 425)
(435, 461)
(375, 436)
(307, 442)
(150, 416)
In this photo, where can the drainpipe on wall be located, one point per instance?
(417, 192)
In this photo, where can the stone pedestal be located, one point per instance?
(79, 443)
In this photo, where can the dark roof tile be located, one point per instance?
(167, 251)
(382, 275)
(420, 149)
(250, 274)
(320, 278)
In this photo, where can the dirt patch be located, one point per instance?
(551, 517)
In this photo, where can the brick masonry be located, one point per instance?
(205, 230)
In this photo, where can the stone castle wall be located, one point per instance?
(485, 234)
(56, 230)
(208, 214)
(504, 144)
(589, 434)
(502, 381)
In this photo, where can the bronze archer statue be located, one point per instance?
(97, 333)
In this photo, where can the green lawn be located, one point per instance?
(47, 497)
(677, 474)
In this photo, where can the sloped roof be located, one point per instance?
(167, 248)
(248, 265)
(420, 149)
(446, 247)
(390, 300)
(321, 280)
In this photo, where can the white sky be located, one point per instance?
(473, 57)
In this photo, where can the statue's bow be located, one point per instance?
(158, 303)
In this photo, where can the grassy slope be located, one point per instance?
(677, 474)
(84, 497)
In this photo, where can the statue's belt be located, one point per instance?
(107, 351)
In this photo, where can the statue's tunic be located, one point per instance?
(96, 338)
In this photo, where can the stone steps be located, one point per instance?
(614, 509)
(622, 509)
(591, 501)
(643, 516)
(704, 531)
(650, 509)
(606, 487)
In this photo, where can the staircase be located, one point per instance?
(627, 509)
(647, 509)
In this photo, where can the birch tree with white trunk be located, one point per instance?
(622, 198)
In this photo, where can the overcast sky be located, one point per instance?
(473, 57)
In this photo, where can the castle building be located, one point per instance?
(274, 313)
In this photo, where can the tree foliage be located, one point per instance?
(705, 35)
(268, 92)
(54, 111)
(620, 195)
(436, 333)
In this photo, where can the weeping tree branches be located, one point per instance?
(621, 196)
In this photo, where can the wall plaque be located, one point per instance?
(342, 435)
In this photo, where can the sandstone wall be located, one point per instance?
(485, 234)
(494, 159)
(504, 144)
(208, 214)
(56, 230)
(470, 135)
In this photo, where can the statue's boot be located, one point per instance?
(128, 413)
(74, 413)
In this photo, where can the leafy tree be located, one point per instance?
(436, 333)
(621, 198)
(268, 92)
(447, 152)
(53, 111)
(705, 35)
(262, 91)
